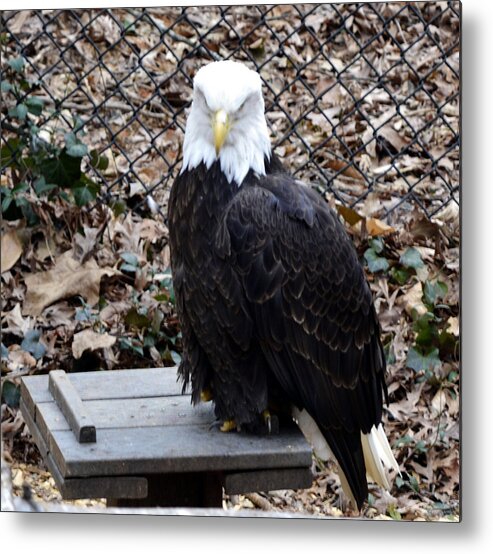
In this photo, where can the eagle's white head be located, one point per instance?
(227, 121)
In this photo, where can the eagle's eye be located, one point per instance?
(243, 104)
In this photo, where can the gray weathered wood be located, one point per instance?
(131, 412)
(267, 480)
(98, 487)
(98, 385)
(149, 433)
(71, 405)
(38, 436)
(173, 450)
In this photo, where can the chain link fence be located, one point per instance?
(362, 100)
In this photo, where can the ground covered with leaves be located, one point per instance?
(86, 283)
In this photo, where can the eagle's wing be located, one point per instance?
(312, 308)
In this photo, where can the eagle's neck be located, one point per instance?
(246, 148)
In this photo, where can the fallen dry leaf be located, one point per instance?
(68, 278)
(453, 326)
(439, 402)
(412, 300)
(90, 340)
(13, 322)
(19, 358)
(376, 227)
(11, 250)
(350, 215)
(394, 138)
(345, 168)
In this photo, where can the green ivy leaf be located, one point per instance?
(7, 152)
(19, 112)
(98, 161)
(452, 376)
(85, 194)
(131, 259)
(134, 319)
(413, 483)
(17, 64)
(62, 170)
(21, 188)
(149, 341)
(118, 206)
(375, 263)
(433, 291)
(35, 105)
(31, 344)
(422, 362)
(426, 330)
(377, 245)
(42, 187)
(405, 440)
(78, 125)
(411, 258)
(78, 150)
(127, 344)
(5, 86)
(5, 352)
(11, 394)
(74, 146)
(400, 275)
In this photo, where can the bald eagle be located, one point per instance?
(273, 303)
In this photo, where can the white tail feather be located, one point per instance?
(346, 489)
(376, 451)
(388, 459)
(373, 461)
(378, 454)
(312, 434)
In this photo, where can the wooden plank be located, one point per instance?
(27, 399)
(71, 405)
(268, 480)
(97, 487)
(104, 487)
(37, 435)
(98, 385)
(176, 449)
(70, 489)
(131, 412)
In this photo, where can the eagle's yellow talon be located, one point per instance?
(206, 395)
(228, 425)
(267, 420)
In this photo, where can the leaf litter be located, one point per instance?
(101, 282)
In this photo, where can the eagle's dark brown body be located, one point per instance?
(272, 300)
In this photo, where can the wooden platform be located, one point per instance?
(130, 436)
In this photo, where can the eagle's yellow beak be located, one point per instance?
(220, 128)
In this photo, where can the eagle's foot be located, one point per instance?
(267, 424)
(225, 426)
(206, 395)
(271, 422)
(228, 425)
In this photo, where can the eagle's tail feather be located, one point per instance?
(378, 456)
(376, 450)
